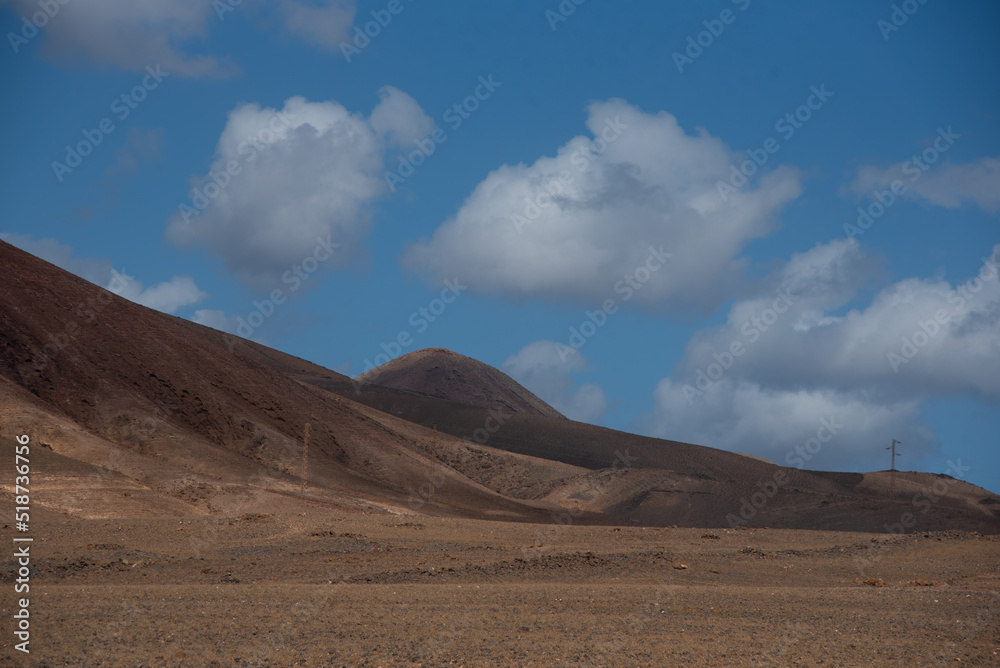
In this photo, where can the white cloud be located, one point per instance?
(785, 358)
(307, 172)
(539, 367)
(230, 324)
(216, 320)
(810, 345)
(850, 428)
(572, 225)
(950, 185)
(95, 270)
(131, 34)
(326, 25)
(168, 296)
(399, 119)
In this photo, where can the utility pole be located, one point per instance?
(892, 471)
(894, 453)
(305, 459)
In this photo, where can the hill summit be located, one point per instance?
(441, 373)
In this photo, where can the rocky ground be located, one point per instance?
(328, 589)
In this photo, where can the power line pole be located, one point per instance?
(305, 459)
(892, 471)
(894, 453)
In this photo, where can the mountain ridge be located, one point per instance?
(137, 404)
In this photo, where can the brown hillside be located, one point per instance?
(641, 480)
(171, 405)
(143, 414)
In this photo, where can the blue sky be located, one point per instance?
(593, 178)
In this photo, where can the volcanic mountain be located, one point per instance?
(136, 413)
(441, 373)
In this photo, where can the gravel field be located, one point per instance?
(379, 590)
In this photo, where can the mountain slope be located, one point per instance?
(178, 399)
(637, 479)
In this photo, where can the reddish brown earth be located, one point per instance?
(373, 589)
(640, 480)
(181, 517)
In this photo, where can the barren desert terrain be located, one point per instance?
(322, 588)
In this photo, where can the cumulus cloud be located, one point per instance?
(325, 25)
(286, 182)
(539, 367)
(848, 429)
(808, 344)
(399, 119)
(131, 34)
(95, 270)
(168, 296)
(215, 319)
(230, 324)
(786, 357)
(574, 224)
(950, 185)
